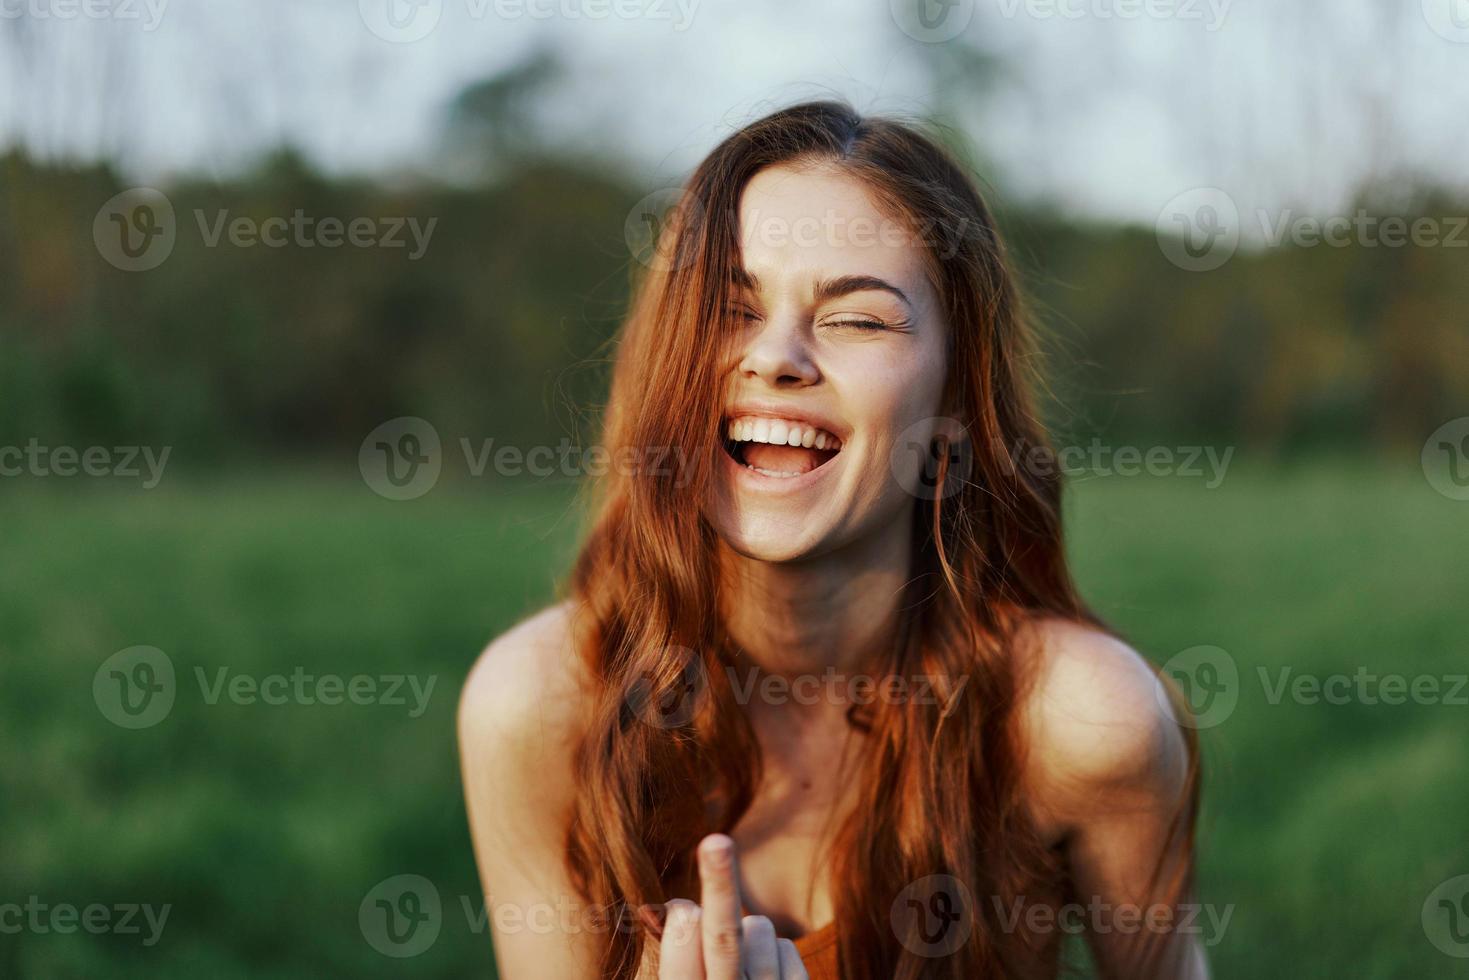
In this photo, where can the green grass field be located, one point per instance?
(265, 826)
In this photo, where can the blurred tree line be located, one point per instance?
(294, 348)
(1282, 348)
(500, 329)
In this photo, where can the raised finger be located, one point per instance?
(719, 897)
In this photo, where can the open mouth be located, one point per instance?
(780, 448)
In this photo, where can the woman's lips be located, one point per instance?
(779, 448)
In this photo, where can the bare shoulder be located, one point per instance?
(521, 716)
(524, 701)
(1098, 723)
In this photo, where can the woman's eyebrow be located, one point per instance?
(828, 289)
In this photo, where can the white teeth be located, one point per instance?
(779, 432)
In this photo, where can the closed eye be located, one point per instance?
(857, 323)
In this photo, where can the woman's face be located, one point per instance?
(839, 359)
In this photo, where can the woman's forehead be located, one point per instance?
(814, 222)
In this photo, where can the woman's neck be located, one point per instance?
(828, 617)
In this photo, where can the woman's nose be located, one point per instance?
(779, 353)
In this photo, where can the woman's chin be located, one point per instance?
(767, 541)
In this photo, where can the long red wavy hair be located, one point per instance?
(942, 792)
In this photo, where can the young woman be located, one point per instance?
(822, 700)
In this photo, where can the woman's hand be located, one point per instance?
(713, 940)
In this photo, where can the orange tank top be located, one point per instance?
(819, 952)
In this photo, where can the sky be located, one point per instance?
(1108, 108)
